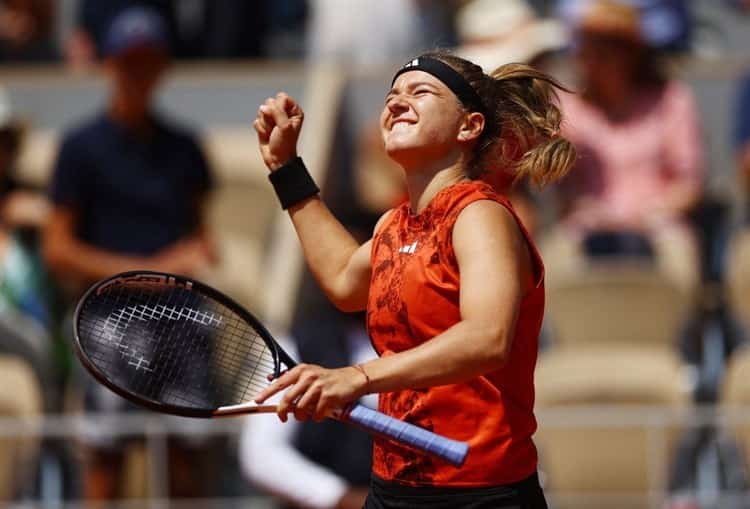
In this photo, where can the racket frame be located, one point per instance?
(146, 277)
(374, 422)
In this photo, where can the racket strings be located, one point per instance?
(174, 346)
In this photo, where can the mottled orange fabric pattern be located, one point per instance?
(414, 296)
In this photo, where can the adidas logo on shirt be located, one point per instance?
(408, 249)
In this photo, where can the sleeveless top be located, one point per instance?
(414, 296)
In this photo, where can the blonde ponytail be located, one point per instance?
(546, 162)
(530, 143)
(521, 134)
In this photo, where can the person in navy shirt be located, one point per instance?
(127, 191)
(132, 192)
(128, 186)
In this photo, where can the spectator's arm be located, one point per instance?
(680, 198)
(684, 152)
(71, 259)
(270, 461)
(25, 209)
(82, 263)
(68, 257)
(205, 237)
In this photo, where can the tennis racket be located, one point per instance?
(177, 346)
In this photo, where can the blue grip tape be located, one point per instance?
(452, 451)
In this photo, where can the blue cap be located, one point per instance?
(136, 27)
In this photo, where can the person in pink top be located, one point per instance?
(639, 170)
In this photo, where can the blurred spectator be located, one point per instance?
(23, 283)
(128, 192)
(497, 33)
(640, 148)
(22, 208)
(128, 185)
(196, 29)
(742, 120)
(28, 303)
(238, 28)
(92, 21)
(313, 465)
(366, 33)
(285, 26)
(742, 132)
(26, 30)
(663, 24)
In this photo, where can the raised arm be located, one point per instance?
(339, 263)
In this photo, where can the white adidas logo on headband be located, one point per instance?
(413, 63)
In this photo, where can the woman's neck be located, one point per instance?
(424, 185)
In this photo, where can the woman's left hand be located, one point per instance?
(314, 392)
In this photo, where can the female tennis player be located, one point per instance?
(452, 283)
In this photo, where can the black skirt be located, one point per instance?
(526, 494)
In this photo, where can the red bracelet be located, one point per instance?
(367, 378)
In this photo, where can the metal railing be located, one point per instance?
(155, 429)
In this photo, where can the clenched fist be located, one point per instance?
(278, 125)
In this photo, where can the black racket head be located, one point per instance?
(173, 344)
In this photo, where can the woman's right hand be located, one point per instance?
(278, 125)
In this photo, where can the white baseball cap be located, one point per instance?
(495, 32)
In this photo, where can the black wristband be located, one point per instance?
(293, 183)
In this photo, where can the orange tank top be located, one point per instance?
(414, 296)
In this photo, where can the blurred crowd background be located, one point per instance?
(126, 142)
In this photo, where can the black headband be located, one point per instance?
(449, 76)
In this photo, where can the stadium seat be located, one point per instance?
(738, 277)
(736, 393)
(615, 303)
(20, 397)
(676, 257)
(24, 338)
(596, 446)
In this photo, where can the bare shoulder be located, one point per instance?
(487, 234)
(487, 218)
(382, 219)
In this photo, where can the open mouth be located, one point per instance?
(400, 125)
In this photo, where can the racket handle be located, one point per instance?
(452, 451)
